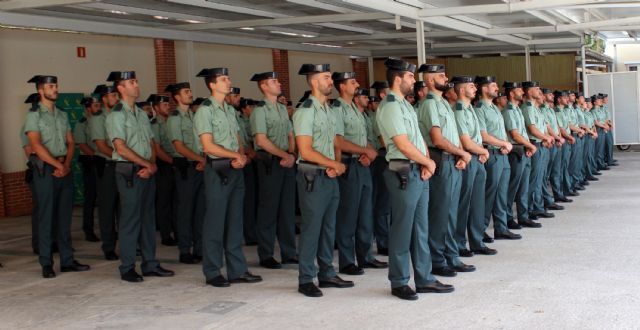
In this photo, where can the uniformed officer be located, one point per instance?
(494, 136)
(105, 171)
(81, 135)
(564, 187)
(216, 127)
(582, 123)
(354, 223)
(407, 177)
(450, 95)
(577, 150)
(603, 129)
(188, 167)
(438, 127)
(381, 89)
(33, 100)
(519, 158)
(275, 147)
(129, 130)
(420, 90)
(47, 128)
(500, 101)
(315, 129)
(609, 135)
(553, 171)
(589, 169)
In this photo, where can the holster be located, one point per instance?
(436, 155)
(182, 165)
(348, 160)
(310, 171)
(38, 164)
(222, 167)
(99, 163)
(402, 168)
(266, 159)
(127, 170)
(28, 174)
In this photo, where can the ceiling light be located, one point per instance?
(285, 33)
(118, 12)
(307, 36)
(321, 45)
(192, 21)
(160, 17)
(247, 28)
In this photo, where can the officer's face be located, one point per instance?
(437, 80)
(129, 88)
(221, 85)
(572, 98)
(322, 82)
(491, 89)
(362, 101)
(273, 87)
(469, 90)
(163, 108)
(407, 80)
(451, 95)
(110, 100)
(518, 94)
(549, 97)
(185, 96)
(49, 91)
(95, 107)
(233, 100)
(350, 86)
(502, 101)
(282, 99)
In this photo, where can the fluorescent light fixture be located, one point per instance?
(307, 36)
(320, 45)
(285, 33)
(160, 17)
(247, 28)
(192, 21)
(118, 12)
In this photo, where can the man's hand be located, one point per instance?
(466, 157)
(364, 160)
(530, 151)
(288, 161)
(483, 159)
(371, 154)
(431, 166)
(461, 164)
(200, 166)
(425, 174)
(239, 162)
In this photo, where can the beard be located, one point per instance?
(441, 87)
(326, 91)
(51, 97)
(406, 89)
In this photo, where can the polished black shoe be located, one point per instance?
(444, 271)
(159, 272)
(197, 258)
(309, 290)
(512, 224)
(464, 268)
(383, 251)
(585, 183)
(169, 241)
(290, 261)
(555, 207)
(247, 278)
(75, 267)
(614, 163)
(270, 263)
(91, 237)
(465, 253)
(131, 276)
(187, 258)
(529, 224)
(110, 255)
(251, 243)
(545, 215)
(36, 251)
(404, 292)
(592, 178)
(573, 193)
(563, 200)
(352, 269)
(375, 263)
(219, 282)
(47, 272)
(533, 216)
(487, 239)
(606, 168)
(435, 287)
(579, 187)
(485, 251)
(335, 282)
(507, 235)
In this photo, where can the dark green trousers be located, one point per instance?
(518, 187)
(381, 203)
(107, 205)
(249, 221)
(567, 179)
(495, 193)
(222, 226)
(409, 231)
(609, 148)
(539, 162)
(191, 207)
(90, 193)
(166, 201)
(577, 155)
(444, 197)
(551, 170)
(600, 149)
(317, 227)
(470, 220)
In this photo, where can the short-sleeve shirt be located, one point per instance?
(53, 127)
(396, 116)
(132, 126)
(319, 122)
(180, 128)
(81, 134)
(491, 120)
(98, 130)
(550, 117)
(514, 120)
(533, 116)
(467, 122)
(273, 121)
(372, 129)
(244, 129)
(353, 122)
(435, 111)
(561, 116)
(219, 120)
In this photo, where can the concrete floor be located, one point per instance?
(579, 271)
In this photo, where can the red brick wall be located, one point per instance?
(281, 66)
(361, 68)
(15, 195)
(165, 55)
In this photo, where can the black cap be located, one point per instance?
(142, 104)
(116, 76)
(571, 92)
(198, 101)
(380, 85)
(511, 85)
(560, 93)
(461, 80)
(418, 85)
(104, 89)
(234, 90)
(450, 85)
(308, 69)
(264, 76)
(546, 91)
(374, 99)
(483, 80)
(530, 84)
(431, 68)
(175, 88)
(501, 94)
(397, 64)
(605, 95)
(88, 101)
(362, 91)
(600, 96)
(340, 76)
(213, 72)
(42, 79)
(155, 98)
(33, 98)
(245, 102)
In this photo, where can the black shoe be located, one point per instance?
(383, 251)
(573, 193)
(251, 243)
(375, 263)
(435, 287)
(579, 187)
(247, 278)
(444, 271)
(55, 248)
(614, 163)
(597, 173)
(463, 268)
(513, 225)
(290, 261)
(606, 168)
(159, 272)
(404, 292)
(533, 216)
(545, 215)
(465, 253)
(487, 239)
(507, 235)
(563, 200)
(187, 258)
(485, 251)
(131, 276)
(529, 224)
(47, 272)
(270, 263)
(555, 207)
(219, 282)
(110, 255)
(335, 282)
(352, 269)
(75, 267)
(585, 183)
(36, 251)
(91, 237)
(197, 258)
(592, 178)
(169, 241)
(309, 290)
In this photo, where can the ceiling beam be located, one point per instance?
(528, 29)
(26, 4)
(598, 24)
(359, 37)
(151, 12)
(551, 41)
(509, 7)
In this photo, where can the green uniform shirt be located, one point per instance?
(467, 122)
(550, 117)
(514, 120)
(219, 121)
(318, 121)
(570, 115)
(273, 121)
(588, 118)
(133, 127)
(53, 127)
(372, 129)
(98, 130)
(180, 128)
(353, 122)
(81, 134)
(244, 129)
(395, 117)
(561, 116)
(163, 139)
(24, 140)
(491, 121)
(533, 116)
(435, 111)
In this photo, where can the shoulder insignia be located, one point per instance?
(459, 106)
(529, 103)
(430, 96)
(34, 107)
(83, 119)
(307, 103)
(118, 107)
(391, 98)
(336, 103)
(98, 113)
(175, 112)
(260, 104)
(206, 102)
(153, 121)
